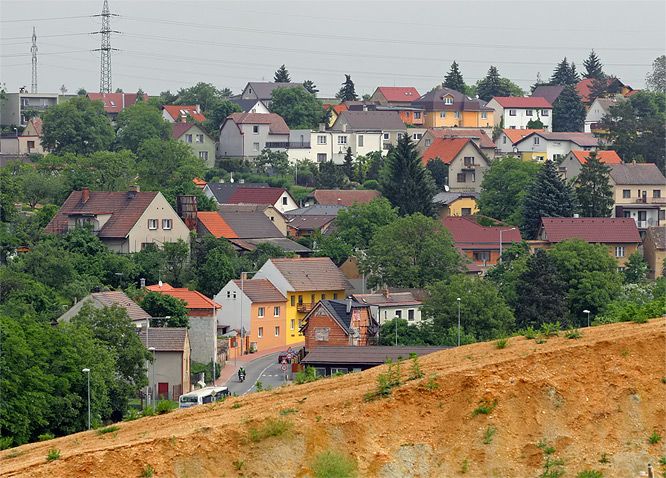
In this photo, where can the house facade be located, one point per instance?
(125, 222)
(245, 135)
(388, 305)
(202, 144)
(338, 323)
(182, 113)
(544, 145)
(639, 191)
(456, 204)
(654, 251)
(169, 374)
(516, 112)
(251, 105)
(478, 135)
(328, 145)
(388, 123)
(447, 108)
(16, 108)
(467, 163)
(572, 163)
(599, 108)
(504, 145)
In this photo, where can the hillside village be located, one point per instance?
(167, 242)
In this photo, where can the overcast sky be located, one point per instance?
(173, 44)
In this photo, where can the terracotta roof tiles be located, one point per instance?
(344, 197)
(192, 298)
(216, 225)
(276, 122)
(402, 94)
(446, 149)
(516, 135)
(605, 156)
(179, 112)
(468, 234)
(522, 102)
(478, 135)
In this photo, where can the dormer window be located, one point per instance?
(448, 100)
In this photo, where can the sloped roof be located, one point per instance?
(399, 93)
(264, 89)
(177, 112)
(468, 234)
(479, 135)
(581, 139)
(523, 102)
(311, 273)
(516, 135)
(223, 191)
(393, 299)
(446, 149)
(36, 123)
(283, 243)
(250, 225)
(344, 197)
(164, 339)
(584, 87)
(115, 102)
(118, 297)
(179, 129)
(193, 299)
(216, 225)
(434, 101)
(375, 355)
(605, 156)
(370, 121)
(549, 92)
(339, 108)
(309, 222)
(658, 236)
(125, 209)
(591, 229)
(198, 182)
(249, 195)
(316, 210)
(260, 290)
(338, 310)
(275, 121)
(246, 105)
(447, 197)
(606, 103)
(637, 174)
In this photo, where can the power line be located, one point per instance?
(44, 36)
(17, 55)
(43, 19)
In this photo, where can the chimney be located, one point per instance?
(349, 305)
(186, 206)
(385, 292)
(85, 195)
(344, 128)
(322, 127)
(131, 193)
(142, 282)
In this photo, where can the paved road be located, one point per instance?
(264, 369)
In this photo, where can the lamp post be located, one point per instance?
(87, 372)
(588, 316)
(458, 300)
(152, 388)
(500, 234)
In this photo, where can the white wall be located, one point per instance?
(231, 306)
(333, 149)
(382, 314)
(159, 209)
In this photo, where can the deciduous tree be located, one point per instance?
(656, 79)
(636, 269)
(216, 116)
(357, 224)
(138, 123)
(163, 305)
(300, 109)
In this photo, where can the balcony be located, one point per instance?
(287, 145)
(304, 307)
(469, 167)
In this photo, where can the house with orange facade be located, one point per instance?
(447, 108)
(339, 322)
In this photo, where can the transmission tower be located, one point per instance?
(33, 50)
(105, 49)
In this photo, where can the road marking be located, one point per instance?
(255, 382)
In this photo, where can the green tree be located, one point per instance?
(412, 251)
(217, 270)
(206, 95)
(331, 175)
(357, 224)
(348, 91)
(176, 257)
(656, 79)
(310, 87)
(535, 124)
(330, 245)
(405, 182)
(216, 116)
(102, 171)
(484, 313)
(77, 126)
(281, 75)
(564, 74)
(490, 86)
(163, 305)
(375, 165)
(273, 162)
(568, 111)
(165, 164)
(40, 188)
(454, 79)
(439, 172)
(636, 269)
(504, 187)
(407, 334)
(138, 123)
(593, 190)
(635, 128)
(593, 67)
(348, 164)
(548, 196)
(300, 109)
(505, 275)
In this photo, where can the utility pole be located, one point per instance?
(105, 48)
(33, 50)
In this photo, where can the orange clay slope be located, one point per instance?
(596, 398)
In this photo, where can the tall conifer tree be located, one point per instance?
(593, 67)
(282, 75)
(454, 79)
(593, 190)
(348, 90)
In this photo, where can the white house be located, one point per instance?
(386, 122)
(544, 145)
(599, 108)
(517, 111)
(389, 305)
(327, 145)
(245, 135)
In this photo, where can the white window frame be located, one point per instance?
(203, 155)
(442, 114)
(322, 157)
(545, 112)
(200, 138)
(448, 100)
(167, 224)
(342, 139)
(261, 312)
(260, 332)
(537, 140)
(417, 115)
(256, 147)
(335, 370)
(619, 251)
(276, 311)
(528, 113)
(255, 129)
(484, 115)
(277, 330)
(387, 136)
(321, 139)
(188, 138)
(153, 224)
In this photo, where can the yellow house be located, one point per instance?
(456, 204)
(304, 282)
(447, 108)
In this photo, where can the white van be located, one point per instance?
(201, 396)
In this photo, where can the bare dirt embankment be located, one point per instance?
(596, 398)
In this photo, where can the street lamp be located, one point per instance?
(458, 299)
(500, 234)
(152, 389)
(588, 316)
(87, 372)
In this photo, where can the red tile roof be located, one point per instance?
(36, 124)
(216, 225)
(180, 112)
(605, 156)
(468, 234)
(478, 134)
(403, 94)
(619, 230)
(200, 183)
(515, 135)
(446, 149)
(193, 299)
(339, 108)
(267, 196)
(522, 102)
(276, 122)
(125, 209)
(179, 129)
(344, 197)
(260, 290)
(115, 102)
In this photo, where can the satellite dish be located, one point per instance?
(446, 188)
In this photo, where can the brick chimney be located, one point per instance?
(132, 191)
(85, 195)
(186, 206)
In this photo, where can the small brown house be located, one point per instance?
(654, 251)
(339, 322)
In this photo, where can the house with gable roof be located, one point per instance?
(172, 361)
(516, 111)
(478, 135)
(584, 88)
(333, 323)
(202, 144)
(465, 160)
(180, 113)
(599, 108)
(639, 191)
(114, 103)
(654, 251)
(447, 108)
(395, 95)
(572, 163)
(546, 145)
(246, 193)
(549, 92)
(109, 298)
(508, 137)
(246, 135)
(388, 123)
(263, 90)
(250, 105)
(341, 197)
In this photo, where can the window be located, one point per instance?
(260, 332)
(276, 311)
(460, 177)
(528, 112)
(200, 138)
(203, 155)
(503, 139)
(398, 314)
(228, 294)
(255, 129)
(512, 112)
(342, 140)
(536, 140)
(481, 256)
(300, 300)
(484, 115)
(407, 114)
(544, 112)
(417, 136)
(428, 142)
(417, 115)
(166, 224)
(31, 144)
(293, 300)
(626, 193)
(277, 330)
(656, 193)
(662, 215)
(359, 140)
(335, 295)
(456, 114)
(323, 297)
(448, 100)
(292, 324)
(255, 147)
(152, 224)
(285, 201)
(442, 114)
(400, 135)
(234, 294)
(321, 157)
(321, 139)
(339, 370)
(619, 251)
(387, 136)
(468, 160)
(410, 314)
(188, 138)
(466, 211)
(312, 299)
(261, 311)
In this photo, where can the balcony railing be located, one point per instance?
(469, 166)
(304, 307)
(287, 145)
